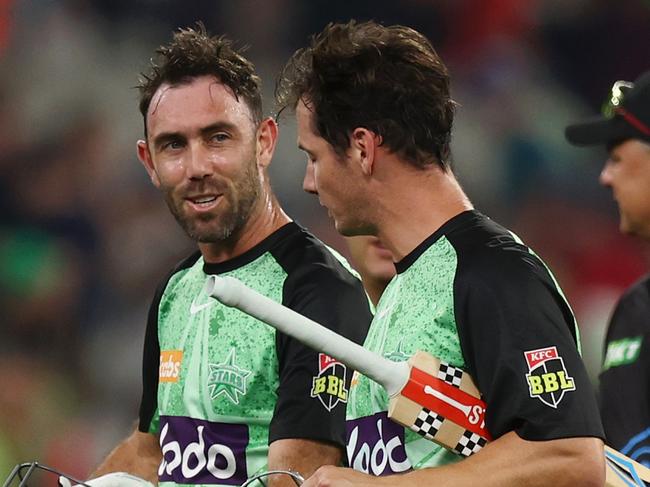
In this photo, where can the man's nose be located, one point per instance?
(308, 182)
(199, 165)
(605, 178)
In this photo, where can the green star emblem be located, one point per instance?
(227, 378)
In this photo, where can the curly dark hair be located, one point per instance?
(388, 79)
(193, 53)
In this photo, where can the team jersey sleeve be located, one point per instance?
(148, 421)
(625, 379)
(313, 389)
(518, 338)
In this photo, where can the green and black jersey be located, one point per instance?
(477, 298)
(220, 386)
(625, 379)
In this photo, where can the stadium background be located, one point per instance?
(84, 238)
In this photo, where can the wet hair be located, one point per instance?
(387, 79)
(192, 53)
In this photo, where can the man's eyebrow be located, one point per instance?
(221, 125)
(163, 137)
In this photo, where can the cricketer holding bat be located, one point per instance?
(374, 117)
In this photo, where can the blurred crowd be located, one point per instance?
(84, 238)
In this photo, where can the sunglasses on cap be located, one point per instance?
(613, 106)
(616, 96)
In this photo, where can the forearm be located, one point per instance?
(138, 455)
(302, 456)
(506, 462)
(511, 461)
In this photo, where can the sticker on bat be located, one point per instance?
(329, 385)
(548, 379)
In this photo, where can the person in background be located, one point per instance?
(370, 258)
(624, 130)
(374, 263)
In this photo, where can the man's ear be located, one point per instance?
(267, 137)
(364, 143)
(145, 158)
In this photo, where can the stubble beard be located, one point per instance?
(230, 216)
(353, 225)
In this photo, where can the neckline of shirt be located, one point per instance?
(251, 254)
(449, 226)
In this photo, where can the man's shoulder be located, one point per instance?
(632, 310)
(639, 292)
(178, 269)
(499, 256)
(300, 252)
(474, 248)
(485, 241)
(321, 285)
(494, 260)
(187, 262)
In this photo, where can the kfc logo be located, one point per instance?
(548, 379)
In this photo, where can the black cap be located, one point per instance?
(631, 121)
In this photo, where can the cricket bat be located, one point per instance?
(431, 397)
(436, 400)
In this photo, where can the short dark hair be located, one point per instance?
(387, 79)
(191, 53)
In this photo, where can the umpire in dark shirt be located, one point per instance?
(624, 128)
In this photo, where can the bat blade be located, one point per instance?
(441, 403)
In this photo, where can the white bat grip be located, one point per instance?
(232, 292)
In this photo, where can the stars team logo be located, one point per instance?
(329, 385)
(228, 379)
(548, 379)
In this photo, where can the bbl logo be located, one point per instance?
(329, 385)
(548, 379)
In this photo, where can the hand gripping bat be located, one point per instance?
(432, 398)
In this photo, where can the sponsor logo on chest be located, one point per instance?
(169, 369)
(228, 379)
(375, 445)
(200, 302)
(202, 452)
(548, 379)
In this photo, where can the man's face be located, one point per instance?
(627, 173)
(201, 153)
(333, 178)
(371, 258)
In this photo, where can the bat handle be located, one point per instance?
(232, 292)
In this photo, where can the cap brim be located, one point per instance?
(599, 131)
